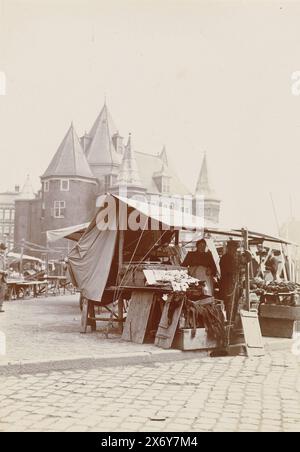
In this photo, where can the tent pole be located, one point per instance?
(121, 249)
(177, 238)
(120, 300)
(22, 254)
(247, 276)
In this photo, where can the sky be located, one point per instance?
(195, 76)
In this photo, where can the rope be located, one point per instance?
(232, 295)
(117, 291)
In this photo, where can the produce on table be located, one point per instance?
(179, 279)
(283, 293)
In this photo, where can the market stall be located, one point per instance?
(119, 267)
(137, 275)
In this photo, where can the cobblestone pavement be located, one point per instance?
(49, 329)
(224, 394)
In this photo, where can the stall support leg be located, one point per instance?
(120, 314)
(84, 315)
(92, 321)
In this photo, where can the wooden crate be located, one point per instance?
(278, 321)
(184, 340)
(279, 312)
(277, 327)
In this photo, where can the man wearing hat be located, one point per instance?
(2, 275)
(229, 283)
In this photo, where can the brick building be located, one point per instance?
(7, 210)
(99, 162)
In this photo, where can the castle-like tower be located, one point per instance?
(69, 187)
(103, 148)
(98, 163)
(205, 196)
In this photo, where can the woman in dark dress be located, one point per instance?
(201, 265)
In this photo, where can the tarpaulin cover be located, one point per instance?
(71, 233)
(17, 257)
(172, 218)
(91, 258)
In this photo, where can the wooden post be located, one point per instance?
(120, 265)
(22, 255)
(120, 300)
(247, 279)
(47, 264)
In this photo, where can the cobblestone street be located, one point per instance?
(49, 329)
(224, 394)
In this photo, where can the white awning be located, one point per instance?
(71, 233)
(16, 257)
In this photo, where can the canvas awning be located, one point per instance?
(17, 257)
(252, 234)
(71, 233)
(172, 218)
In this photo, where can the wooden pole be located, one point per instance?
(120, 265)
(22, 255)
(247, 278)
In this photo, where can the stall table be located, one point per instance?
(26, 288)
(88, 312)
(55, 283)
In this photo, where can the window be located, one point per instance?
(64, 185)
(46, 186)
(59, 209)
(165, 185)
(12, 215)
(7, 215)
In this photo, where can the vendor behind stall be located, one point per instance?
(201, 265)
(272, 265)
(229, 283)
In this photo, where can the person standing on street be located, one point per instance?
(229, 286)
(2, 275)
(201, 265)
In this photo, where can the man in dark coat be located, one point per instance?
(229, 283)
